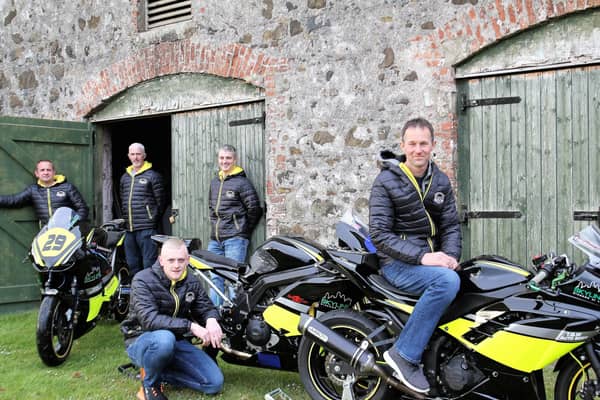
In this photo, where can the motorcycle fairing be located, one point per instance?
(487, 273)
(199, 265)
(282, 319)
(102, 297)
(52, 247)
(515, 350)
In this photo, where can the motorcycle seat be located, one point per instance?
(383, 285)
(113, 237)
(217, 259)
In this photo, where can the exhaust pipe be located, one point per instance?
(357, 356)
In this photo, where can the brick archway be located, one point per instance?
(231, 61)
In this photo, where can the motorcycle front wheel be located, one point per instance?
(54, 333)
(571, 379)
(323, 373)
(121, 298)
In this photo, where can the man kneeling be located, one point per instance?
(168, 304)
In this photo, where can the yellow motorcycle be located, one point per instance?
(82, 279)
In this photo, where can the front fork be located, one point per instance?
(591, 387)
(74, 295)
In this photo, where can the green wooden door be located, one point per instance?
(22, 143)
(197, 136)
(528, 169)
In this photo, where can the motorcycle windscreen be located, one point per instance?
(588, 241)
(58, 240)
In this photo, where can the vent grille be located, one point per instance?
(164, 12)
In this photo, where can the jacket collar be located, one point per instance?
(57, 179)
(236, 170)
(146, 166)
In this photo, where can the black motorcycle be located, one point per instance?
(83, 279)
(505, 326)
(284, 278)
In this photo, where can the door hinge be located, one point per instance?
(465, 216)
(492, 101)
(249, 121)
(586, 215)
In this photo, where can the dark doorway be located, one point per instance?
(155, 135)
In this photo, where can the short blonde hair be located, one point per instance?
(172, 243)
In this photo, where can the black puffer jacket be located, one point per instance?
(159, 303)
(404, 227)
(142, 197)
(234, 206)
(46, 200)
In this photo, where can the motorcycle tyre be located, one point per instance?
(54, 338)
(570, 379)
(335, 320)
(121, 310)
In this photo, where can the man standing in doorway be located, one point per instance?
(50, 192)
(234, 213)
(142, 203)
(414, 225)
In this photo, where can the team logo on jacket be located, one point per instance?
(438, 198)
(143, 181)
(190, 297)
(61, 193)
(230, 194)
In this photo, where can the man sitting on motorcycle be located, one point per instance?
(167, 306)
(414, 225)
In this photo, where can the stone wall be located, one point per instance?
(340, 77)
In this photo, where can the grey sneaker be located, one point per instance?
(408, 373)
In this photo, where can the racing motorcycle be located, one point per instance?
(82, 280)
(505, 326)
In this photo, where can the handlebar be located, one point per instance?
(547, 267)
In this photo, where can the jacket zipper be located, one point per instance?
(129, 203)
(217, 209)
(235, 222)
(175, 297)
(148, 211)
(49, 202)
(412, 179)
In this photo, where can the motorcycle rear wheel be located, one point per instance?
(570, 381)
(317, 366)
(54, 333)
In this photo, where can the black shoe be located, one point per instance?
(151, 393)
(408, 373)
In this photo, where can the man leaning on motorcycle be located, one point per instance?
(414, 225)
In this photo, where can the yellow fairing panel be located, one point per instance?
(523, 353)
(281, 319)
(197, 264)
(96, 301)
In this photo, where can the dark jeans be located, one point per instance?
(140, 250)
(176, 362)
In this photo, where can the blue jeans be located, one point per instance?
(234, 248)
(437, 287)
(177, 362)
(140, 250)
